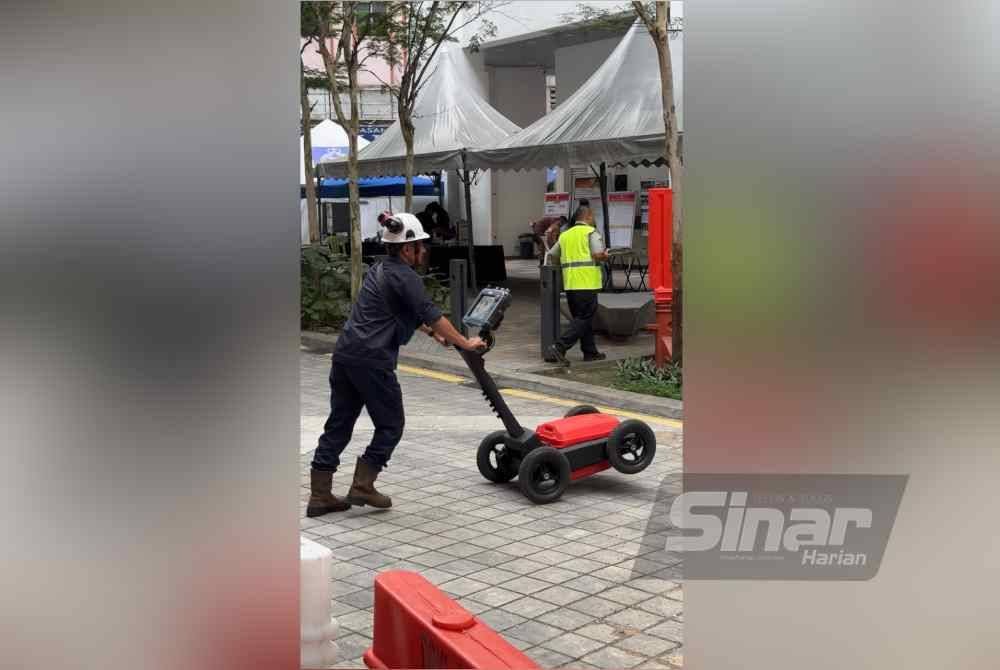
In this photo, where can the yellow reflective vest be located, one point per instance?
(579, 270)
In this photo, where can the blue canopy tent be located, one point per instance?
(373, 187)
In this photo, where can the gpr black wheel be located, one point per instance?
(582, 409)
(544, 475)
(495, 463)
(631, 447)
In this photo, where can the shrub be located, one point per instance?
(325, 285)
(325, 273)
(641, 375)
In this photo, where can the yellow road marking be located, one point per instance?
(532, 395)
(649, 418)
(433, 374)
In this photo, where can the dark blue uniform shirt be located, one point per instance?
(384, 317)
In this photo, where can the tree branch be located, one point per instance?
(421, 37)
(380, 80)
(444, 35)
(330, 63)
(491, 8)
(640, 10)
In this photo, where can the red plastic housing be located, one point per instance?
(418, 626)
(572, 430)
(588, 470)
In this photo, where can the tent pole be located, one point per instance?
(319, 207)
(604, 203)
(610, 282)
(468, 217)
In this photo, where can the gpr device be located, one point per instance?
(544, 461)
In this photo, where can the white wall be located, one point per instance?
(517, 197)
(481, 215)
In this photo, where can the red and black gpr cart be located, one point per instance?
(581, 443)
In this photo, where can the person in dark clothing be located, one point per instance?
(390, 307)
(436, 220)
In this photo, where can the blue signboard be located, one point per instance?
(370, 132)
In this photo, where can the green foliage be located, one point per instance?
(640, 375)
(325, 273)
(438, 292)
(317, 79)
(325, 285)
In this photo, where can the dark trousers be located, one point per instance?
(583, 307)
(351, 388)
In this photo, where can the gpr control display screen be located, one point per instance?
(483, 307)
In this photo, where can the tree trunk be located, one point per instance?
(352, 183)
(307, 160)
(407, 127)
(661, 39)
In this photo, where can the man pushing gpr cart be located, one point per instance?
(390, 307)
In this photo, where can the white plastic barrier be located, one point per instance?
(319, 629)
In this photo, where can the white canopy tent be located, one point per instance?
(616, 116)
(451, 115)
(329, 141)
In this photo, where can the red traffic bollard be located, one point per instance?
(663, 301)
(661, 236)
(418, 626)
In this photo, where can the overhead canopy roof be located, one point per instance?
(616, 116)
(450, 115)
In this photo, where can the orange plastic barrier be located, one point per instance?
(418, 626)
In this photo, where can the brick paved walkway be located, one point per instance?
(562, 581)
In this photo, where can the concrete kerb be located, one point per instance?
(527, 381)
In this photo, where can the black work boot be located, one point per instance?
(555, 354)
(362, 491)
(321, 499)
(596, 356)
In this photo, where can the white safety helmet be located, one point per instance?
(401, 228)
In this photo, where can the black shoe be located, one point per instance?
(554, 354)
(599, 356)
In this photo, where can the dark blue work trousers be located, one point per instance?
(583, 307)
(351, 388)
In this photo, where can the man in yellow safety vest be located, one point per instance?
(579, 252)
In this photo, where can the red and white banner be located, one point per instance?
(557, 204)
